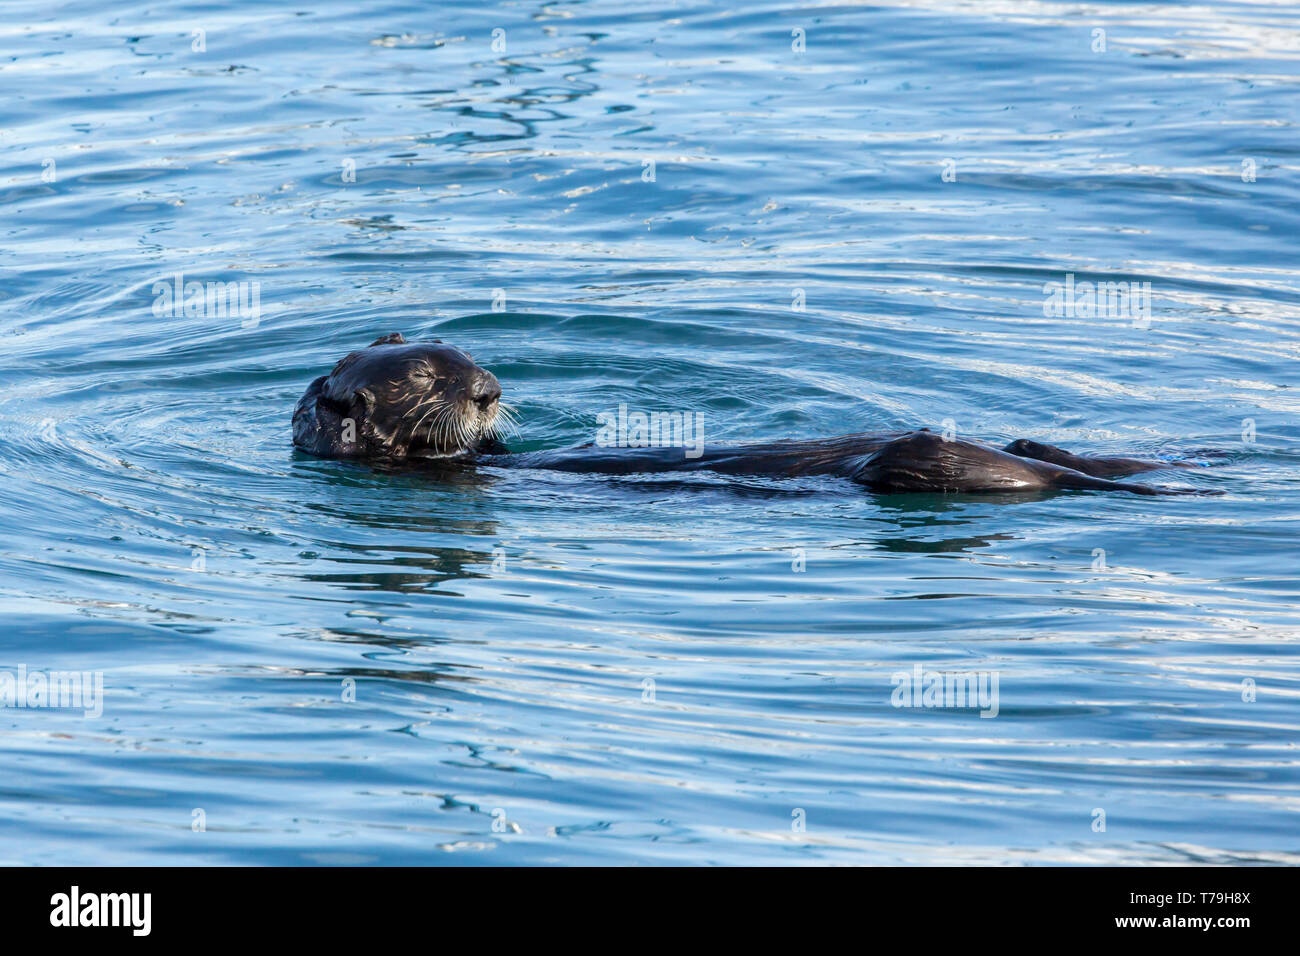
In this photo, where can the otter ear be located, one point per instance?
(361, 407)
(392, 338)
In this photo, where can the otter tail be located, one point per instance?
(1069, 478)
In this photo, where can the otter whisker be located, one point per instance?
(440, 404)
(438, 422)
(487, 427)
(504, 416)
(460, 429)
(448, 423)
(448, 427)
(418, 406)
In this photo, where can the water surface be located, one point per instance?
(670, 207)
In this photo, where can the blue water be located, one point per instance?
(577, 669)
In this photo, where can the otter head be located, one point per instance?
(399, 399)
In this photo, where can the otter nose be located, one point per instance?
(484, 389)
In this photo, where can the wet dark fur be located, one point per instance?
(373, 388)
(1097, 466)
(919, 461)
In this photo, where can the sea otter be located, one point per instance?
(401, 401)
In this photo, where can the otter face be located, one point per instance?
(399, 399)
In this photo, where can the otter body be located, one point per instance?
(919, 461)
(397, 401)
